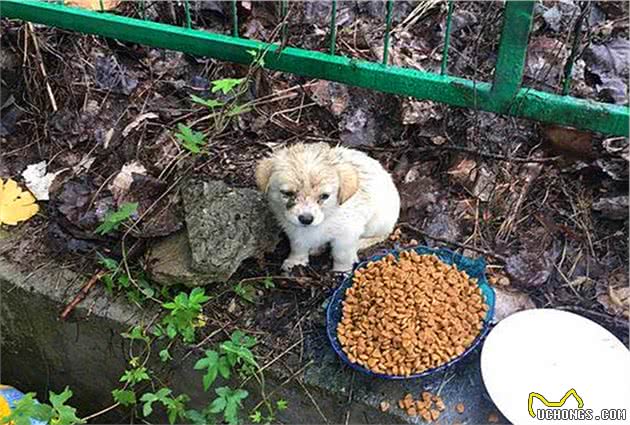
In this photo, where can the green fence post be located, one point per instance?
(234, 18)
(388, 28)
(333, 27)
(447, 38)
(187, 12)
(568, 66)
(508, 72)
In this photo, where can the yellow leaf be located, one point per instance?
(93, 4)
(15, 204)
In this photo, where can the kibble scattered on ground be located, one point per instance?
(428, 406)
(404, 316)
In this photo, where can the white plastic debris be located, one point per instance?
(38, 181)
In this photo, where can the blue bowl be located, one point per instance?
(474, 268)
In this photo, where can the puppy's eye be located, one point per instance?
(324, 196)
(287, 193)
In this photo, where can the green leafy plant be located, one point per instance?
(175, 406)
(246, 291)
(136, 333)
(55, 413)
(237, 349)
(282, 404)
(63, 414)
(226, 85)
(235, 354)
(135, 375)
(165, 355)
(228, 402)
(190, 140)
(268, 283)
(137, 288)
(124, 397)
(208, 103)
(27, 408)
(113, 220)
(258, 57)
(214, 364)
(256, 417)
(184, 314)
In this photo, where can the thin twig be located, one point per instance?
(82, 294)
(585, 311)
(308, 393)
(499, 157)
(42, 68)
(286, 381)
(457, 244)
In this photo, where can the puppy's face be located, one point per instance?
(304, 184)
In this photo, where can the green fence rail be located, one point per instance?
(505, 95)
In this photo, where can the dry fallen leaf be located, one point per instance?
(93, 4)
(464, 171)
(15, 204)
(570, 143)
(122, 182)
(614, 294)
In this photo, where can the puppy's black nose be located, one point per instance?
(305, 219)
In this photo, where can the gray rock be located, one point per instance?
(169, 262)
(226, 226)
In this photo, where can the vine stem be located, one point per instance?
(101, 412)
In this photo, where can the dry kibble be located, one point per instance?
(404, 316)
(439, 404)
(395, 235)
(422, 408)
(460, 407)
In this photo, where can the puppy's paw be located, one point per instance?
(291, 262)
(315, 252)
(345, 265)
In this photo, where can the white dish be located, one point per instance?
(549, 352)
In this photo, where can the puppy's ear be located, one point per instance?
(348, 182)
(263, 174)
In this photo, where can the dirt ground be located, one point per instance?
(533, 200)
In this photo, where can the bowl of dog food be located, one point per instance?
(410, 313)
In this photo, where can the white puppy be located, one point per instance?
(322, 195)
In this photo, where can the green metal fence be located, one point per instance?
(504, 95)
